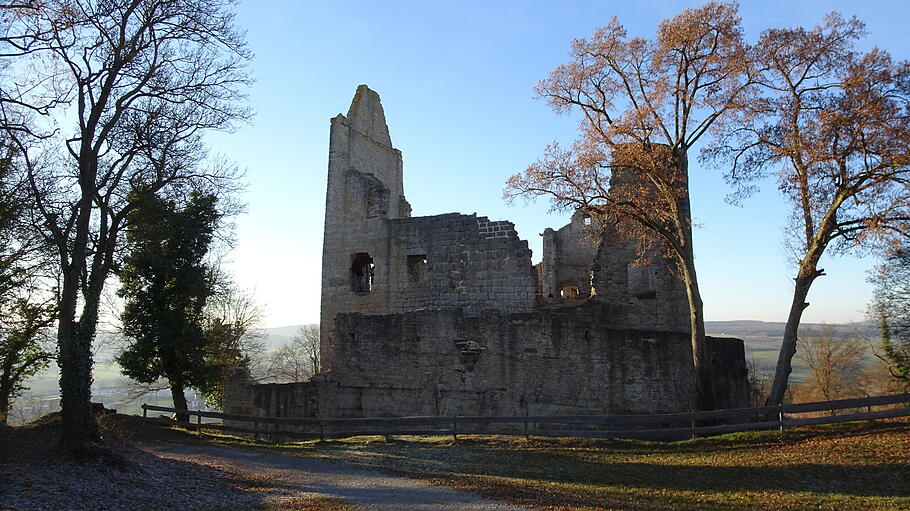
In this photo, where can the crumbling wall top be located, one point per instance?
(367, 117)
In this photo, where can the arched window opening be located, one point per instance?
(569, 291)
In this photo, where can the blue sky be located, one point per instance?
(456, 80)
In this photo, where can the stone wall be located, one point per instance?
(245, 396)
(729, 372)
(441, 362)
(651, 295)
(458, 261)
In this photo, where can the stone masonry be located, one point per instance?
(445, 314)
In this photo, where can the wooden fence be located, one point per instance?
(672, 426)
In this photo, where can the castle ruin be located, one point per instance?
(446, 315)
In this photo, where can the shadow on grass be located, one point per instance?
(882, 479)
(732, 441)
(586, 465)
(859, 480)
(620, 463)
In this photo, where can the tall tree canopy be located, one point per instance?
(133, 85)
(166, 282)
(833, 126)
(644, 104)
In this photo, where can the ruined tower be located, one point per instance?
(377, 259)
(364, 187)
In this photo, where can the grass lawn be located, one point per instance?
(848, 466)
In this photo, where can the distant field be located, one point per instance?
(763, 339)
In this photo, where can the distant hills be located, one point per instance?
(766, 329)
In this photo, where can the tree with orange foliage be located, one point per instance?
(644, 104)
(834, 127)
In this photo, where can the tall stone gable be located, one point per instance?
(364, 188)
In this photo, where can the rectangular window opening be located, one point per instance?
(642, 282)
(362, 269)
(417, 267)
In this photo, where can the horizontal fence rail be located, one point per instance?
(669, 426)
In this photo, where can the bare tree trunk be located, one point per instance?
(74, 339)
(704, 388)
(6, 387)
(807, 274)
(79, 427)
(179, 397)
(4, 406)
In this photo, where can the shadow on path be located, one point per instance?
(366, 488)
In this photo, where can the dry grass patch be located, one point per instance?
(275, 497)
(307, 503)
(863, 466)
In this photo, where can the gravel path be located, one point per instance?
(365, 488)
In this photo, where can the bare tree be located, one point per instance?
(297, 360)
(876, 379)
(890, 307)
(644, 104)
(238, 307)
(29, 408)
(234, 335)
(760, 375)
(835, 364)
(142, 81)
(833, 126)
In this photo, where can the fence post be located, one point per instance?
(694, 432)
(321, 432)
(145, 411)
(199, 425)
(780, 418)
(454, 428)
